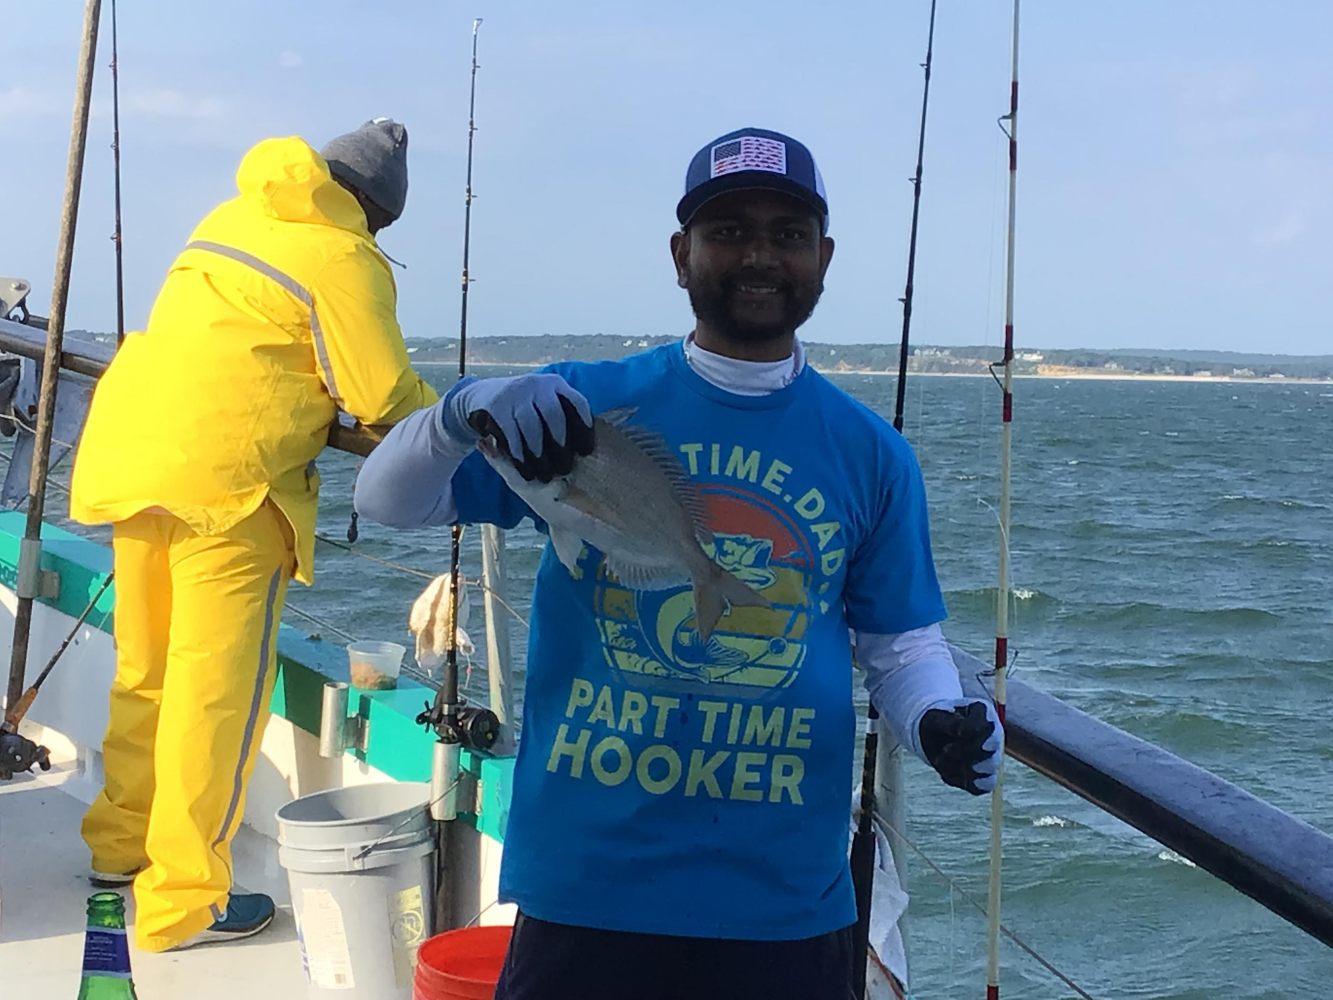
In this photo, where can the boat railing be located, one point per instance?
(1276, 859)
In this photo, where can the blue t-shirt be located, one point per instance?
(663, 787)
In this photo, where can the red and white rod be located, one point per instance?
(1002, 590)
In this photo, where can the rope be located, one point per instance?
(51, 481)
(329, 626)
(410, 571)
(981, 908)
(21, 424)
(422, 574)
(415, 673)
(499, 600)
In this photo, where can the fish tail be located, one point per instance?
(716, 595)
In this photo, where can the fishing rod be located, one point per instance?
(14, 713)
(117, 236)
(455, 724)
(476, 728)
(863, 842)
(28, 585)
(17, 707)
(1002, 588)
(911, 241)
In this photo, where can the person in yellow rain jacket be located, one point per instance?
(199, 449)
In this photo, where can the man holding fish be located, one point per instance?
(722, 519)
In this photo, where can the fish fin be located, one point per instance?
(717, 595)
(619, 415)
(568, 548)
(645, 576)
(656, 448)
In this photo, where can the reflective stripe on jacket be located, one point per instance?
(279, 312)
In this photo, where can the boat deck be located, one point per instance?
(44, 891)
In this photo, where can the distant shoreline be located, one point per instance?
(1062, 376)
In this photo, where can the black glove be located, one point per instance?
(18, 755)
(964, 744)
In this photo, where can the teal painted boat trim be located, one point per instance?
(82, 566)
(397, 745)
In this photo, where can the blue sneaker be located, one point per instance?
(246, 915)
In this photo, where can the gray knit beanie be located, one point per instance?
(373, 159)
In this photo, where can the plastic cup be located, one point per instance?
(375, 665)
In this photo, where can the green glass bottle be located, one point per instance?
(106, 951)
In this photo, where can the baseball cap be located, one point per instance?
(751, 159)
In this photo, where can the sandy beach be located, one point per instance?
(1066, 374)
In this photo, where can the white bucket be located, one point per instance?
(359, 861)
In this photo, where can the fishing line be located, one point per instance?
(862, 861)
(468, 581)
(968, 898)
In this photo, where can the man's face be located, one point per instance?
(753, 263)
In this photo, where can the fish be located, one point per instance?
(631, 500)
(429, 622)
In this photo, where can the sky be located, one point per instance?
(1175, 159)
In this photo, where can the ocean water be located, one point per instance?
(1172, 548)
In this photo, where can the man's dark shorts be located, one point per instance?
(549, 961)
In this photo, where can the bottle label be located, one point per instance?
(106, 952)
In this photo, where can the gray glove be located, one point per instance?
(539, 420)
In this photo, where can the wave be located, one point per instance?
(1138, 614)
(1230, 501)
(1174, 858)
(1213, 667)
(1257, 554)
(981, 600)
(1230, 728)
(1123, 530)
(1059, 821)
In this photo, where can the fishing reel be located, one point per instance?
(471, 726)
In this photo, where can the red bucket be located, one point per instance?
(461, 965)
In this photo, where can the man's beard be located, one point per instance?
(712, 305)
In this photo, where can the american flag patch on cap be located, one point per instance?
(750, 152)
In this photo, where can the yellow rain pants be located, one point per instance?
(196, 639)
